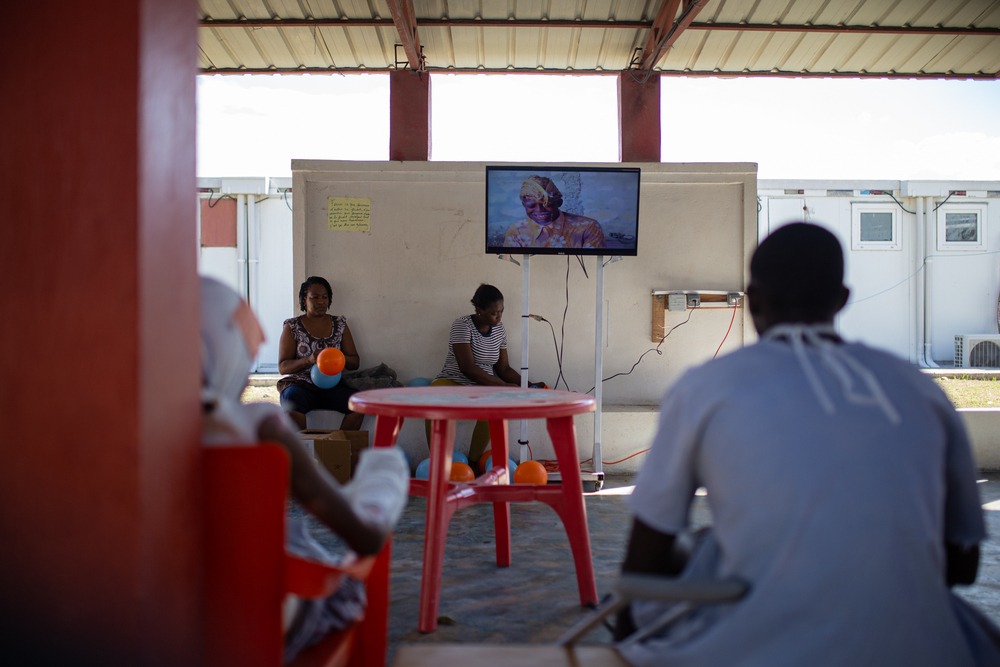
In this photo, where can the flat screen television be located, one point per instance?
(548, 210)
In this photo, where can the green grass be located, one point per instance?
(971, 392)
(964, 392)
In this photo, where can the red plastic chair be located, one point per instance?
(248, 572)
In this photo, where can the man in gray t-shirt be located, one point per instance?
(841, 485)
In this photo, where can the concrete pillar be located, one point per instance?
(100, 537)
(638, 117)
(409, 115)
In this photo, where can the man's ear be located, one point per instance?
(758, 308)
(757, 301)
(845, 294)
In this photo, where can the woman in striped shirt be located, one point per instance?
(477, 354)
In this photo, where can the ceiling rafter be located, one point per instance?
(405, 20)
(715, 73)
(661, 38)
(606, 25)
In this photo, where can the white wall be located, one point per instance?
(899, 302)
(402, 284)
(270, 269)
(260, 265)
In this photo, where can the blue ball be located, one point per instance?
(322, 380)
(459, 457)
(418, 382)
(423, 469)
(511, 465)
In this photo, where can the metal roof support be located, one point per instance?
(660, 37)
(405, 20)
(638, 117)
(603, 24)
(409, 115)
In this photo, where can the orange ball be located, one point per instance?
(482, 460)
(531, 472)
(330, 361)
(461, 472)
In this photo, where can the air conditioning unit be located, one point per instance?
(977, 351)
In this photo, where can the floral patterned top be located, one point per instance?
(306, 344)
(566, 231)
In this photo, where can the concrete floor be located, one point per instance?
(536, 599)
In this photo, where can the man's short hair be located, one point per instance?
(799, 269)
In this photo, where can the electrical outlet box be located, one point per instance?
(693, 300)
(676, 301)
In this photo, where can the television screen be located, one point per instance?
(562, 210)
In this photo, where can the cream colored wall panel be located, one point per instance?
(403, 283)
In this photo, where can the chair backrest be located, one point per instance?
(245, 490)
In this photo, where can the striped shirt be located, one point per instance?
(485, 348)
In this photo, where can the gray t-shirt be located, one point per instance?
(837, 521)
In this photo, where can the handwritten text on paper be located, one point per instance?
(349, 214)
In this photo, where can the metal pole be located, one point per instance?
(598, 363)
(525, 312)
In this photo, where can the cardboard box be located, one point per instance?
(331, 450)
(337, 451)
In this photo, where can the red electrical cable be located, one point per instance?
(733, 319)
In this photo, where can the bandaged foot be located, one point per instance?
(379, 489)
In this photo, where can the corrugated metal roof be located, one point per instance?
(884, 38)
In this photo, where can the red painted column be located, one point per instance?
(99, 522)
(409, 115)
(638, 117)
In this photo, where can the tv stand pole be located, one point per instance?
(592, 481)
(596, 478)
(522, 439)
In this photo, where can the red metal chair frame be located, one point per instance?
(248, 573)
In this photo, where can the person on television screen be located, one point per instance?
(546, 226)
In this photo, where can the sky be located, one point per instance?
(255, 125)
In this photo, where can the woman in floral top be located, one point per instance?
(302, 339)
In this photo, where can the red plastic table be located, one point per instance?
(497, 405)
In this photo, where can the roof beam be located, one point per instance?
(659, 31)
(661, 38)
(841, 27)
(405, 20)
(603, 25)
(731, 74)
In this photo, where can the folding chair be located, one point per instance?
(687, 593)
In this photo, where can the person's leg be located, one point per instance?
(336, 398)
(297, 400)
(439, 382)
(352, 421)
(480, 439)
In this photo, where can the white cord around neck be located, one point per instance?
(842, 365)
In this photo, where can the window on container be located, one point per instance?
(875, 227)
(961, 227)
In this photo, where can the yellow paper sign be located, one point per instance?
(349, 214)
